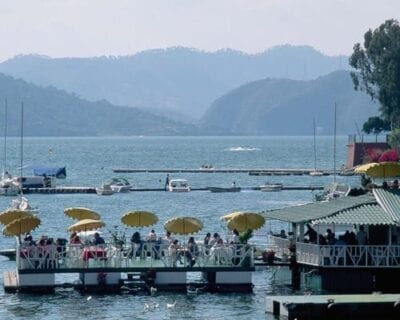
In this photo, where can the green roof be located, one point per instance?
(368, 214)
(389, 200)
(317, 210)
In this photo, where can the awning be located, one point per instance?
(317, 210)
(389, 200)
(369, 214)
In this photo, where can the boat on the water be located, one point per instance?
(22, 203)
(120, 185)
(9, 186)
(222, 189)
(104, 190)
(271, 187)
(178, 185)
(333, 191)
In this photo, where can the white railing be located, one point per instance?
(348, 256)
(280, 246)
(148, 254)
(342, 256)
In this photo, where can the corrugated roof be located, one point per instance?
(369, 214)
(318, 210)
(389, 200)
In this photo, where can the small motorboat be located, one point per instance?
(207, 167)
(222, 189)
(316, 173)
(104, 190)
(120, 185)
(334, 191)
(178, 185)
(271, 187)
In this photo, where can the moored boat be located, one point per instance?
(104, 190)
(120, 185)
(178, 185)
(271, 187)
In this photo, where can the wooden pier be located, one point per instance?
(92, 190)
(262, 171)
(335, 307)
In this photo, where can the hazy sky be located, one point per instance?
(82, 28)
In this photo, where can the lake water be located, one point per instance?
(89, 162)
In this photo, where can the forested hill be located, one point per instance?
(287, 107)
(52, 112)
(178, 82)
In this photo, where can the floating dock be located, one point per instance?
(259, 172)
(335, 307)
(92, 190)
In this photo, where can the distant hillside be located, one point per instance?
(287, 107)
(52, 112)
(178, 82)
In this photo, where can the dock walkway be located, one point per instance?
(346, 306)
(250, 171)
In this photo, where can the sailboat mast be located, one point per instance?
(334, 145)
(22, 140)
(315, 147)
(5, 136)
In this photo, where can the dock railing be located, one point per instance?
(146, 255)
(341, 256)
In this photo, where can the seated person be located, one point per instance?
(207, 239)
(74, 238)
(214, 239)
(98, 240)
(168, 238)
(152, 236)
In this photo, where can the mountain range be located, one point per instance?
(52, 112)
(182, 91)
(287, 107)
(180, 83)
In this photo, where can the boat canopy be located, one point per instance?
(58, 172)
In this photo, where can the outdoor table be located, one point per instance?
(93, 252)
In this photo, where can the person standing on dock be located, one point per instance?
(166, 182)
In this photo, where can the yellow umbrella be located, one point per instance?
(183, 225)
(380, 169)
(10, 215)
(244, 221)
(21, 226)
(81, 213)
(139, 219)
(86, 224)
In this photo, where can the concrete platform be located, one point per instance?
(321, 307)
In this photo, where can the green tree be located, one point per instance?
(394, 139)
(375, 125)
(377, 65)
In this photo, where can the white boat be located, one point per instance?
(178, 185)
(9, 186)
(120, 185)
(271, 187)
(316, 173)
(333, 191)
(104, 190)
(22, 203)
